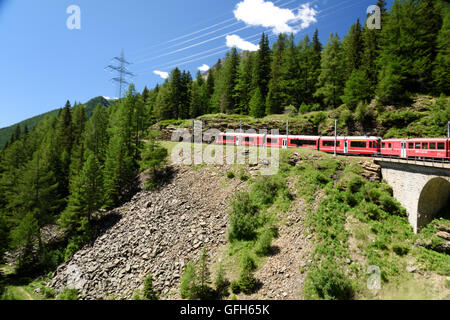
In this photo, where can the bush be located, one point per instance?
(68, 294)
(189, 282)
(400, 249)
(235, 287)
(330, 284)
(70, 250)
(244, 218)
(221, 283)
(264, 243)
(247, 283)
(390, 205)
(148, 292)
(230, 174)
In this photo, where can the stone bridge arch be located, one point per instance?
(422, 189)
(433, 200)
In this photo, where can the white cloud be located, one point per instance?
(238, 42)
(162, 74)
(203, 68)
(109, 98)
(266, 14)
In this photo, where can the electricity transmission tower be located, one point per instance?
(122, 72)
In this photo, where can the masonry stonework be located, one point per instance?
(422, 190)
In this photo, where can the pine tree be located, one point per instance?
(196, 102)
(357, 89)
(163, 102)
(78, 125)
(96, 137)
(175, 95)
(274, 100)
(86, 197)
(25, 237)
(257, 104)
(210, 84)
(408, 50)
(441, 70)
(119, 171)
(244, 85)
(154, 156)
(64, 141)
(331, 79)
(230, 79)
(186, 83)
(261, 67)
(354, 48)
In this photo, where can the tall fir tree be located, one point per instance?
(261, 67)
(331, 79)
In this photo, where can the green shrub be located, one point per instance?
(230, 174)
(68, 294)
(264, 243)
(329, 283)
(70, 250)
(390, 205)
(235, 287)
(400, 249)
(247, 282)
(149, 292)
(244, 218)
(188, 283)
(221, 283)
(47, 292)
(247, 262)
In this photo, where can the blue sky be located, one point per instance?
(43, 63)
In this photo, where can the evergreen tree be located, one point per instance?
(186, 83)
(274, 100)
(357, 89)
(261, 67)
(119, 171)
(25, 238)
(243, 87)
(230, 79)
(196, 102)
(96, 137)
(64, 141)
(154, 156)
(331, 79)
(86, 197)
(314, 67)
(78, 125)
(163, 103)
(257, 104)
(408, 50)
(354, 48)
(210, 84)
(441, 71)
(175, 95)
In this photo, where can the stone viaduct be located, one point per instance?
(423, 188)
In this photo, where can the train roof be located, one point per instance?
(418, 139)
(295, 136)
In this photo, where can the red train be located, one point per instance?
(438, 148)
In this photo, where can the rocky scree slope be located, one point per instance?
(157, 232)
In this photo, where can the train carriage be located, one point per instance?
(427, 148)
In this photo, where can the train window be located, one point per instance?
(390, 145)
(425, 145)
(331, 143)
(432, 145)
(376, 145)
(300, 143)
(358, 144)
(410, 145)
(417, 145)
(441, 146)
(370, 144)
(272, 140)
(248, 139)
(383, 145)
(228, 138)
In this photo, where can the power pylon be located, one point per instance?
(122, 71)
